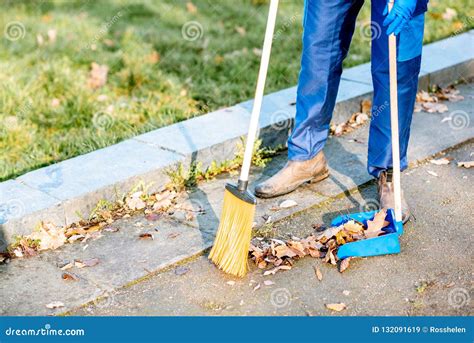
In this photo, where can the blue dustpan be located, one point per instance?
(383, 245)
(388, 243)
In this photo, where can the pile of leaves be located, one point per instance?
(47, 236)
(431, 102)
(274, 254)
(356, 120)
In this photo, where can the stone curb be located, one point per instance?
(67, 191)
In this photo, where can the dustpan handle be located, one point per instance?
(257, 104)
(392, 57)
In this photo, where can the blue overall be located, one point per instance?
(328, 28)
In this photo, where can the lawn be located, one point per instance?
(155, 63)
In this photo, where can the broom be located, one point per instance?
(231, 246)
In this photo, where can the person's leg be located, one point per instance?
(408, 68)
(328, 28)
(409, 43)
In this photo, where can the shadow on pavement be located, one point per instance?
(348, 164)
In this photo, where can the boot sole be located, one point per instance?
(316, 179)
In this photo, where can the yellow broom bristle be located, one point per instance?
(231, 246)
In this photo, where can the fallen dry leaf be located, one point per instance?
(338, 307)
(162, 204)
(366, 106)
(97, 76)
(55, 304)
(39, 39)
(314, 253)
(52, 34)
(69, 276)
(67, 266)
(424, 96)
(433, 107)
(341, 237)
(432, 173)
(90, 262)
(111, 229)
(134, 201)
(353, 227)
(283, 251)
(318, 273)
(361, 118)
(452, 96)
(241, 30)
(268, 282)
(330, 232)
(288, 204)
(25, 248)
(74, 238)
(257, 287)
(190, 7)
(449, 285)
(17, 252)
(79, 264)
(297, 248)
(274, 270)
(108, 42)
(94, 228)
(440, 161)
(332, 257)
(344, 264)
(375, 226)
(449, 13)
(55, 102)
(146, 235)
(153, 216)
(154, 57)
(338, 130)
(466, 164)
(49, 235)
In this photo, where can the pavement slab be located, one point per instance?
(125, 257)
(28, 285)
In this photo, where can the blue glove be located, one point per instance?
(399, 16)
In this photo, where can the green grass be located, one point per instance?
(49, 113)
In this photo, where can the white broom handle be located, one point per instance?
(392, 57)
(257, 104)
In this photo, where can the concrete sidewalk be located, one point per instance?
(432, 275)
(27, 285)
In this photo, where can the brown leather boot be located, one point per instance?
(386, 199)
(292, 175)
